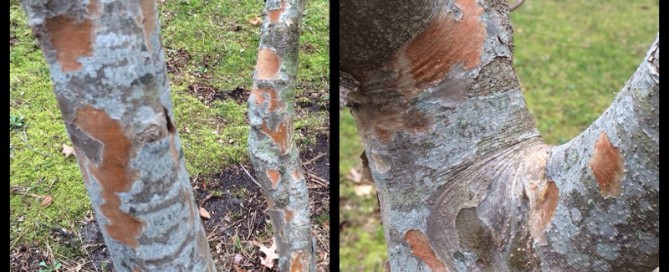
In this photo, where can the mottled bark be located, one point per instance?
(465, 181)
(109, 76)
(273, 153)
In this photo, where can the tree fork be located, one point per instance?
(465, 182)
(108, 71)
(275, 158)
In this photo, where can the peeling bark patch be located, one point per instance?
(268, 64)
(296, 175)
(174, 150)
(420, 247)
(542, 193)
(383, 124)
(149, 21)
(274, 103)
(542, 210)
(288, 215)
(114, 173)
(445, 42)
(191, 209)
(297, 261)
(71, 39)
(275, 14)
(273, 177)
(607, 166)
(280, 135)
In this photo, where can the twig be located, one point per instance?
(516, 5)
(251, 177)
(314, 159)
(316, 179)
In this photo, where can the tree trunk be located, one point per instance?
(109, 76)
(465, 181)
(275, 158)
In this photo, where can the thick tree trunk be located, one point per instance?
(109, 76)
(275, 158)
(465, 182)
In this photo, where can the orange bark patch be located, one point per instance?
(420, 247)
(114, 173)
(288, 215)
(71, 39)
(274, 14)
(445, 42)
(543, 209)
(149, 21)
(274, 102)
(385, 123)
(296, 175)
(280, 135)
(268, 64)
(273, 176)
(607, 165)
(297, 262)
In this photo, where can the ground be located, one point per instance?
(572, 57)
(210, 48)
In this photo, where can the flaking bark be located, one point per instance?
(465, 182)
(109, 76)
(273, 152)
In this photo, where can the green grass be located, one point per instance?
(571, 57)
(220, 46)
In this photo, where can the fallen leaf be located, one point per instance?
(270, 254)
(68, 150)
(204, 213)
(363, 190)
(255, 21)
(354, 175)
(46, 201)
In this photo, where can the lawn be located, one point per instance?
(571, 57)
(211, 49)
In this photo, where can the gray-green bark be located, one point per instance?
(109, 76)
(273, 153)
(465, 181)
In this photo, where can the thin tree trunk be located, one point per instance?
(274, 155)
(465, 181)
(108, 72)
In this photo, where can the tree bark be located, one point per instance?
(465, 181)
(273, 153)
(109, 76)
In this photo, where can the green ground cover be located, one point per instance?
(571, 57)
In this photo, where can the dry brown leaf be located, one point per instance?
(354, 175)
(363, 190)
(68, 150)
(270, 254)
(255, 21)
(204, 213)
(46, 201)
